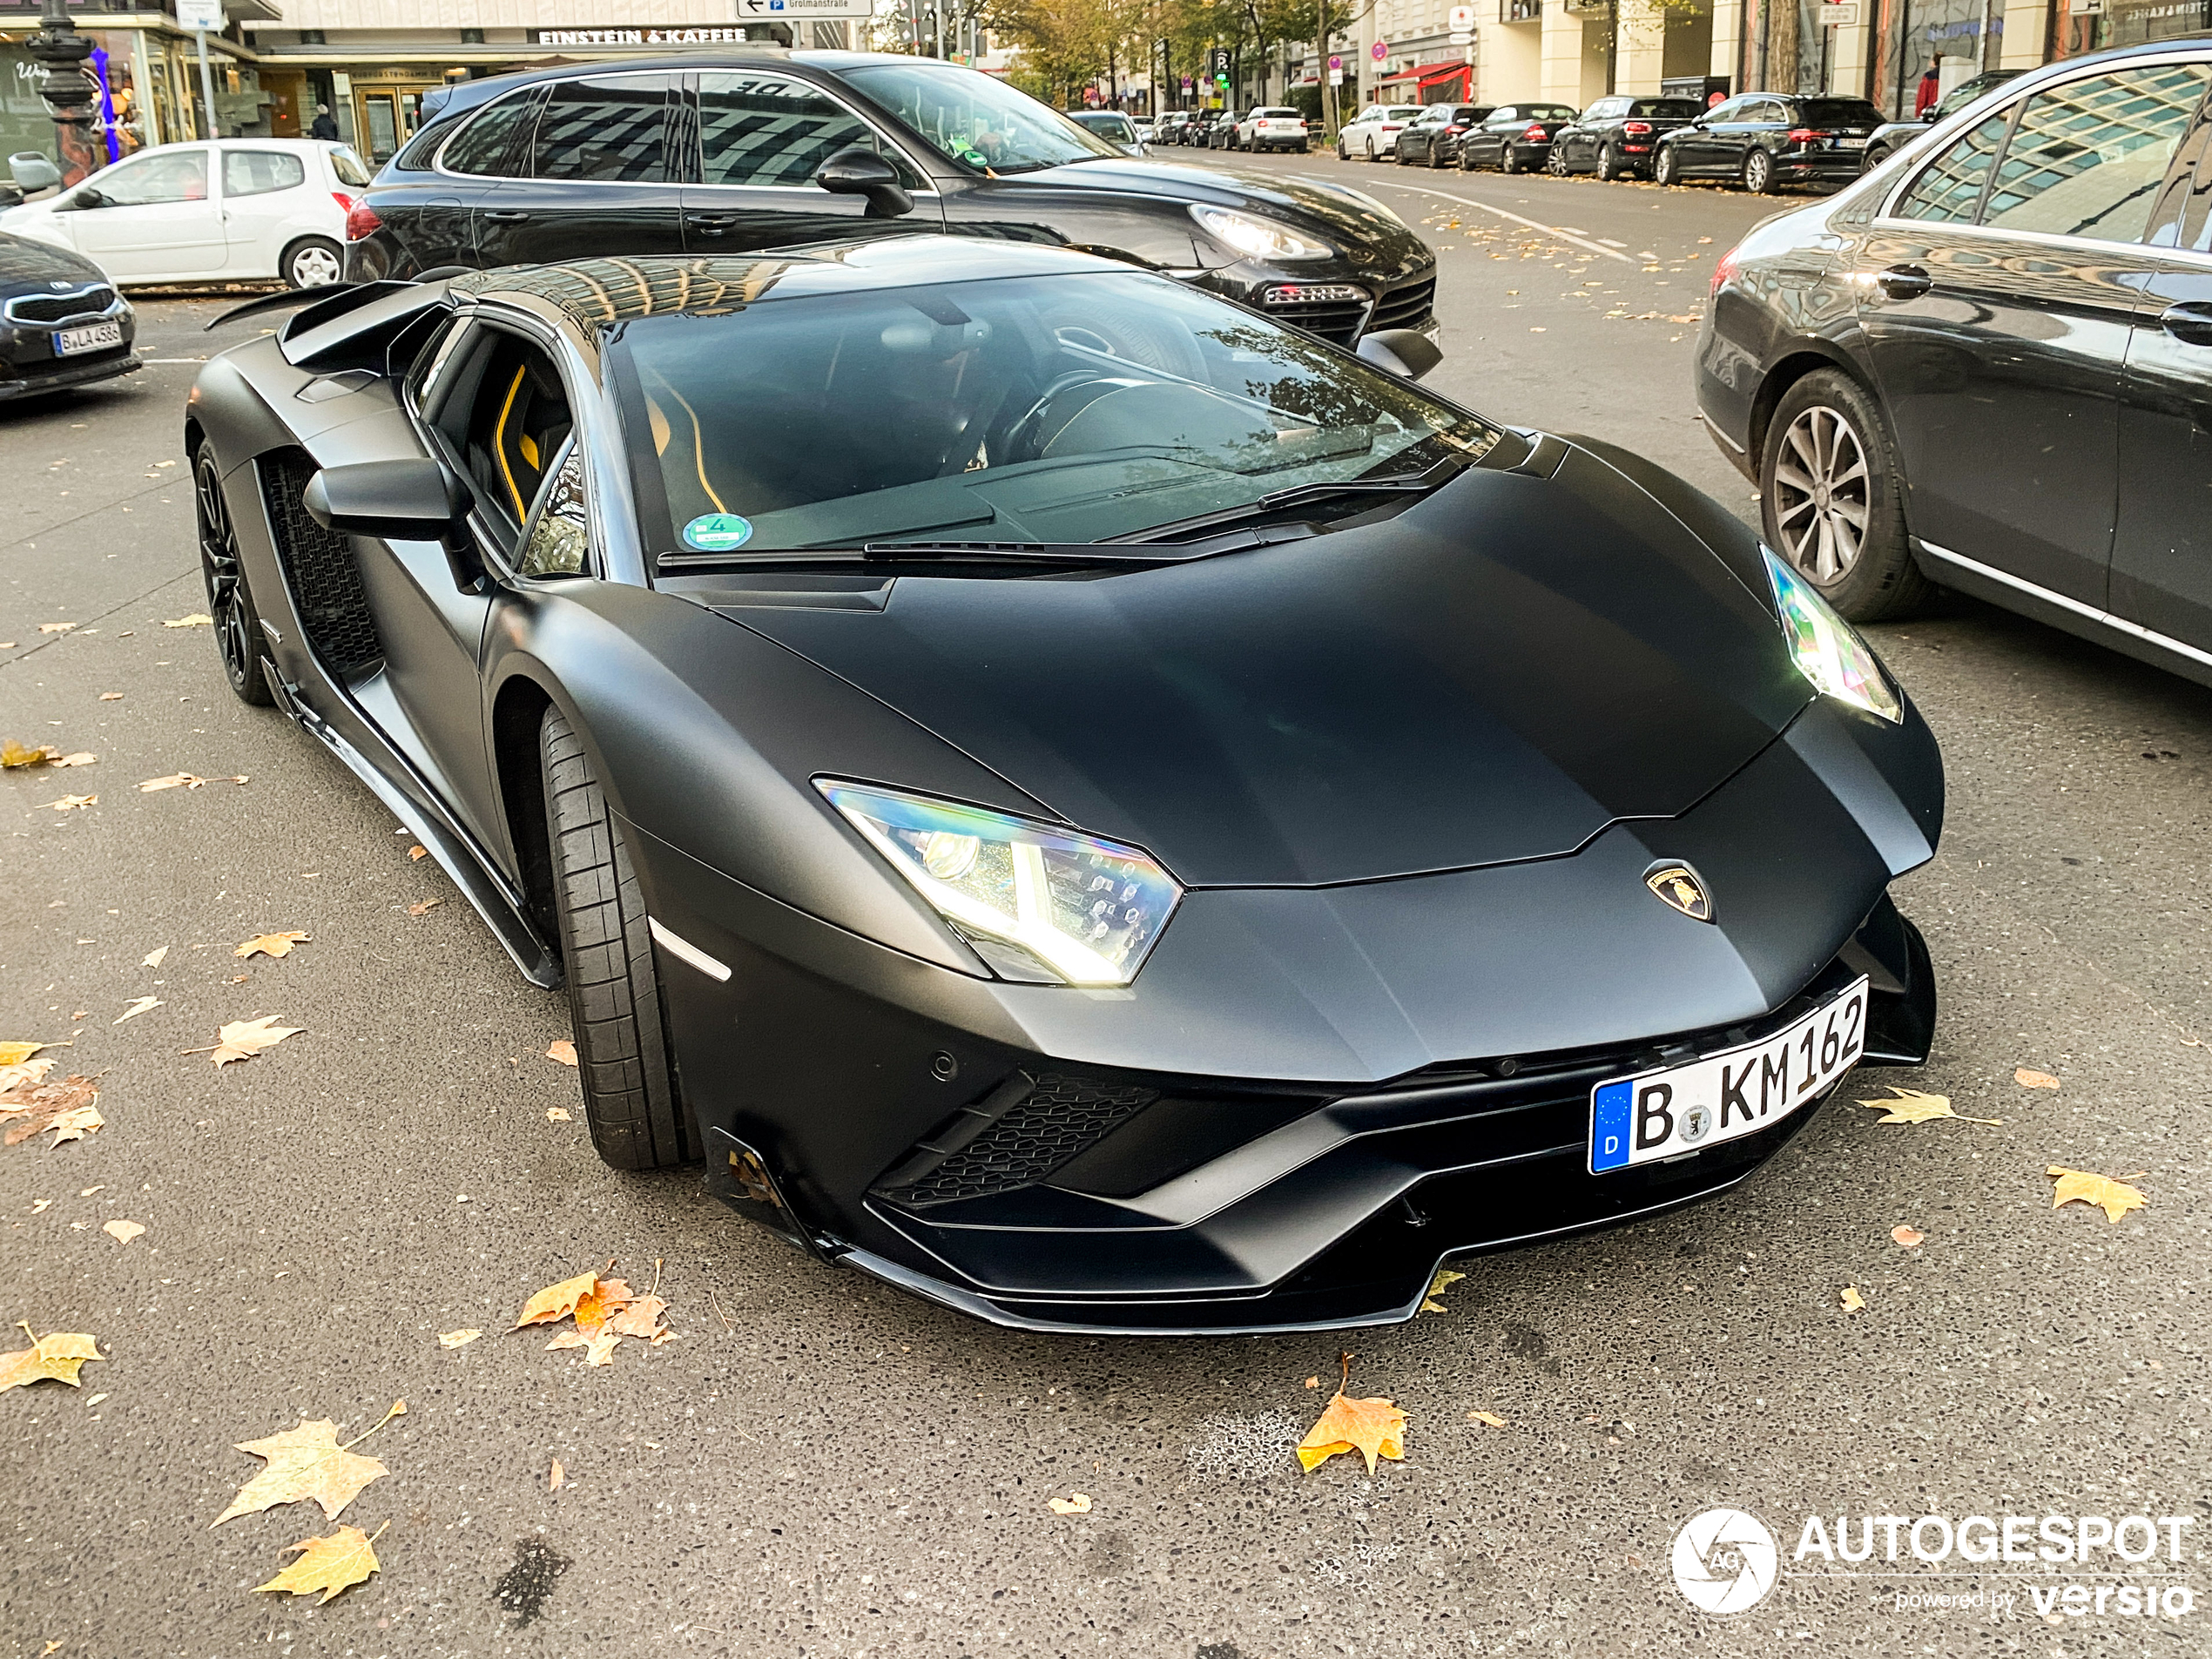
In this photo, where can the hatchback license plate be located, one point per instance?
(98, 336)
(1680, 1110)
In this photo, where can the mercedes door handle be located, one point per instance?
(1904, 281)
(507, 216)
(2190, 322)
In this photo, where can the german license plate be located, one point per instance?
(95, 336)
(1679, 1110)
(1848, 144)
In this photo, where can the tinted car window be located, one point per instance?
(613, 128)
(1674, 109)
(769, 129)
(980, 122)
(256, 173)
(1949, 191)
(178, 176)
(348, 167)
(1838, 113)
(497, 144)
(1067, 407)
(510, 427)
(2087, 158)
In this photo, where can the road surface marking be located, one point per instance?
(1548, 230)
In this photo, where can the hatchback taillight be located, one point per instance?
(361, 222)
(1635, 126)
(1535, 133)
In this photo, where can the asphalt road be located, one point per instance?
(820, 1466)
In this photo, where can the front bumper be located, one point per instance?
(49, 373)
(1405, 299)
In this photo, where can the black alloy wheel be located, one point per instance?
(631, 1099)
(230, 602)
(1665, 170)
(1608, 162)
(1556, 163)
(1832, 500)
(1758, 173)
(1506, 161)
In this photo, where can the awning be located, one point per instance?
(1426, 74)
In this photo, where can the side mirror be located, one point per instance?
(1928, 117)
(861, 171)
(400, 501)
(33, 172)
(81, 199)
(1400, 351)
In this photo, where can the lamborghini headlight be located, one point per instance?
(1258, 239)
(1827, 649)
(1086, 909)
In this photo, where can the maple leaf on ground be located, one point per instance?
(562, 1053)
(55, 1356)
(1444, 1280)
(640, 1318)
(1911, 1106)
(153, 957)
(14, 754)
(329, 1564)
(14, 1054)
(556, 1301)
(417, 852)
(124, 1231)
(2115, 1197)
(307, 1462)
(1076, 1504)
(423, 907)
(2027, 1077)
(243, 1039)
(139, 1005)
(71, 803)
(83, 759)
(1371, 1427)
(1852, 1301)
(68, 1107)
(606, 1298)
(272, 944)
(600, 1349)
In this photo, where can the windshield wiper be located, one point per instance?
(1420, 484)
(1061, 556)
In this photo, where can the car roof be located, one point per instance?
(467, 94)
(595, 292)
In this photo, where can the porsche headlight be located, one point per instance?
(1258, 239)
(1827, 649)
(1086, 909)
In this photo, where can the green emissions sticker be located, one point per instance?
(718, 532)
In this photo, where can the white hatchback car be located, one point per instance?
(231, 210)
(1372, 133)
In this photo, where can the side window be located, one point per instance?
(180, 175)
(348, 167)
(612, 128)
(769, 130)
(256, 173)
(2088, 158)
(504, 418)
(497, 144)
(1950, 190)
(559, 542)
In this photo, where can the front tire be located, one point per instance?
(313, 262)
(230, 602)
(1831, 499)
(1665, 170)
(631, 1098)
(1758, 173)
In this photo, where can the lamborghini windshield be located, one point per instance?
(1062, 408)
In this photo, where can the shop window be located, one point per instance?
(257, 172)
(2088, 158)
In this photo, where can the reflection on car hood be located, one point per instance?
(1494, 675)
(29, 266)
(1314, 202)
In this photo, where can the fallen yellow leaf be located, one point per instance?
(1910, 1238)
(556, 1114)
(1371, 1427)
(2115, 1197)
(56, 627)
(423, 907)
(307, 1462)
(599, 1349)
(110, 697)
(182, 780)
(139, 1005)
(14, 1054)
(640, 1319)
(69, 1107)
(457, 1338)
(71, 803)
(1444, 1280)
(417, 852)
(123, 1231)
(562, 1053)
(243, 1039)
(1851, 1300)
(55, 1356)
(346, 1557)
(1494, 1420)
(272, 944)
(153, 957)
(14, 754)
(81, 758)
(1076, 1504)
(557, 1477)
(1313, 1382)
(1910, 1106)
(196, 620)
(2026, 1078)
(556, 1301)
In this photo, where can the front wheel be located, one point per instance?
(1832, 500)
(1758, 173)
(313, 262)
(1555, 165)
(230, 602)
(1608, 162)
(631, 1098)
(1666, 170)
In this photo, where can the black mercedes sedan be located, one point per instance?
(1615, 137)
(1513, 138)
(1074, 799)
(1988, 365)
(1765, 140)
(1433, 141)
(61, 322)
(729, 153)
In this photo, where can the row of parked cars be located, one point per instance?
(1758, 140)
(1267, 126)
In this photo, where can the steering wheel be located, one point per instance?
(1020, 437)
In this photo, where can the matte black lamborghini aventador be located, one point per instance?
(1073, 797)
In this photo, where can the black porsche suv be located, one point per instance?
(734, 152)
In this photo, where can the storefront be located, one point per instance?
(146, 76)
(2092, 25)
(1444, 82)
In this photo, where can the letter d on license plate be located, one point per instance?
(1684, 1109)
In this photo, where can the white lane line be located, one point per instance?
(1548, 230)
(172, 360)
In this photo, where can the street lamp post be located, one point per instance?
(69, 91)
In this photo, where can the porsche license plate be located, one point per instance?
(1850, 144)
(96, 337)
(1684, 1109)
